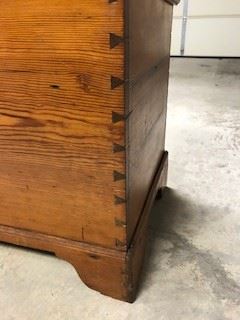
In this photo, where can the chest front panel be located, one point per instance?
(57, 161)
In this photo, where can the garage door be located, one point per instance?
(207, 28)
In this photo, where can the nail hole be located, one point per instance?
(55, 86)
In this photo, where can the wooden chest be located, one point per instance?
(83, 94)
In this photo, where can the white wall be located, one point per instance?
(212, 29)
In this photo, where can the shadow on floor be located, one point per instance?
(171, 217)
(163, 219)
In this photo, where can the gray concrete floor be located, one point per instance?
(193, 268)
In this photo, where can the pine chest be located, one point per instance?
(83, 95)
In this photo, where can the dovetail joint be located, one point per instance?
(120, 223)
(119, 243)
(116, 82)
(118, 148)
(115, 40)
(119, 200)
(117, 176)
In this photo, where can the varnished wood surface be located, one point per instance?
(139, 238)
(111, 272)
(149, 34)
(56, 130)
(149, 50)
(102, 270)
(83, 95)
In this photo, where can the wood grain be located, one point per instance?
(149, 31)
(111, 272)
(83, 102)
(149, 50)
(56, 133)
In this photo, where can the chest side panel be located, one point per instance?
(59, 87)
(149, 46)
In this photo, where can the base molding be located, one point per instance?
(111, 272)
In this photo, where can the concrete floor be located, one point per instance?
(193, 268)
